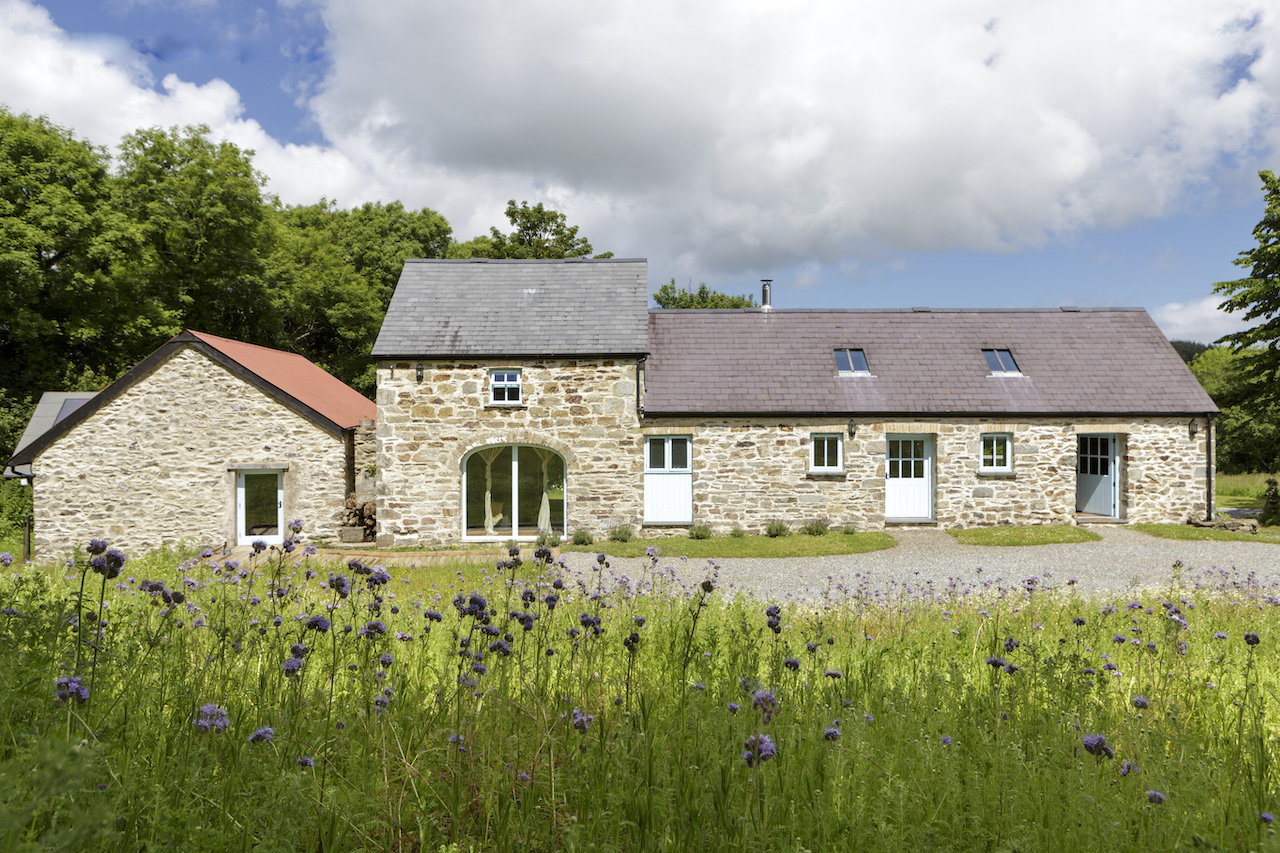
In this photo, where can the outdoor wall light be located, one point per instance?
(853, 429)
(418, 371)
(1194, 427)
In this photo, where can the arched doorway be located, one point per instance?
(513, 491)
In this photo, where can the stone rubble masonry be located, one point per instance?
(365, 460)
(583, 409)
(745, 472)
(152, 467)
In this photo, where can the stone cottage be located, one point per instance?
(525, 397)
(207, 441)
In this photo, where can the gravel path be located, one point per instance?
(1123, 559)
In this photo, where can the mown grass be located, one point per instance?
(1049, 534)
(1189, 533)
(726, 547)
(548, 712)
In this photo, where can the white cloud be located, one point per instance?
(1201, 320)
(735, 136)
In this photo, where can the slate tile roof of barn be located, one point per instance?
(1104, 361)
(539, 308)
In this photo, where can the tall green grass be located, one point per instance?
(542, 711)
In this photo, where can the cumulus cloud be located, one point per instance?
(729, 136)
(742, 132)
(1200, 320)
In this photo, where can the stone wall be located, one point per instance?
(151, 467)
(749, 473)
(364, 460)
(583, 409)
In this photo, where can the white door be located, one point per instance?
(260, 506)
(1096, 475)
(668, 480)
(908, 478)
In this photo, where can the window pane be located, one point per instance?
(894, 449)
(1103, 465)
(917, 449)
(1006, 360)
(859, 360)
(1000, 448)
(513, 394)
(679, 453)
(261, 501)
(657, 454)
(842, 361)
(993, 361)
(919, 469)
(489, 497)
(893, 469)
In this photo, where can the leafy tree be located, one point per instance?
(200, 207)
(1188, 349)
(1258, 296)
(669, 296)
(334, 271)
(1248, 433)
(536, 233)
(67, 304)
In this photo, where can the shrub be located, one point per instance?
(737, 532)
(548, 540)
(849, 529)
(1270, 505)
(582, 537)
(621, 533)
(777, 528)
(817, 527)
(700, 531)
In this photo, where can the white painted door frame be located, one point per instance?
(908, 477)
(243, 535)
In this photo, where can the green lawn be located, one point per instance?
(1051, 534)
(1186, 532)
(1241, 491)
(718, 547)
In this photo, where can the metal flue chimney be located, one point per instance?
(766, 287)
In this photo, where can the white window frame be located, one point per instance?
(505, 384)
(824, 438)
(1007, 467)
(668, 468)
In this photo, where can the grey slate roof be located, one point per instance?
(481, 307)
(53, 407)
(1074, 361)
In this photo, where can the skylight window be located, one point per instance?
(1000, 361)
(851, 361)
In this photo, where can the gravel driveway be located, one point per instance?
(1123, 559)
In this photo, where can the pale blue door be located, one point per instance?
(1096, 475)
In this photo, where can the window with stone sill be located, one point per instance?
(997, 453)
(825, 456)
(505, 387)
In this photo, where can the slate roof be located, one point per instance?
(513, 308)
(289, 378)
(1072, 361)
(53, 407)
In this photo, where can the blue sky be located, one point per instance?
(998, 153)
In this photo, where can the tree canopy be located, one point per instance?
(536, 232)
(1248, 432)
(669, 296)
(1258, 297)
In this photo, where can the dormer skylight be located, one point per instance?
(850, 362)
(1001, 362)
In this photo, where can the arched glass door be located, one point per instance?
(513, 491)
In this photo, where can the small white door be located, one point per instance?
(260, 506)
(1096, 475)
(908, 478)
(668, 480)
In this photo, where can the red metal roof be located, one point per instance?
(299, 378)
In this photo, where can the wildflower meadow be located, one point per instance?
(294, 704)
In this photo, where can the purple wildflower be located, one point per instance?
(1097, 745)
(757, 749)
(6, 559)
(1251, 638)
(1139, 703)
(946, 740)
(1155, 797)
(292, 666)
(306, 761)
(733, 707)
(833, 674)
(318, 623)
(211, 717)
(766, 703)
(1267, 817)
(262, 735)
(832, 732)
(96, 546)
(791, 664)
(69, 688)
(581, 721)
